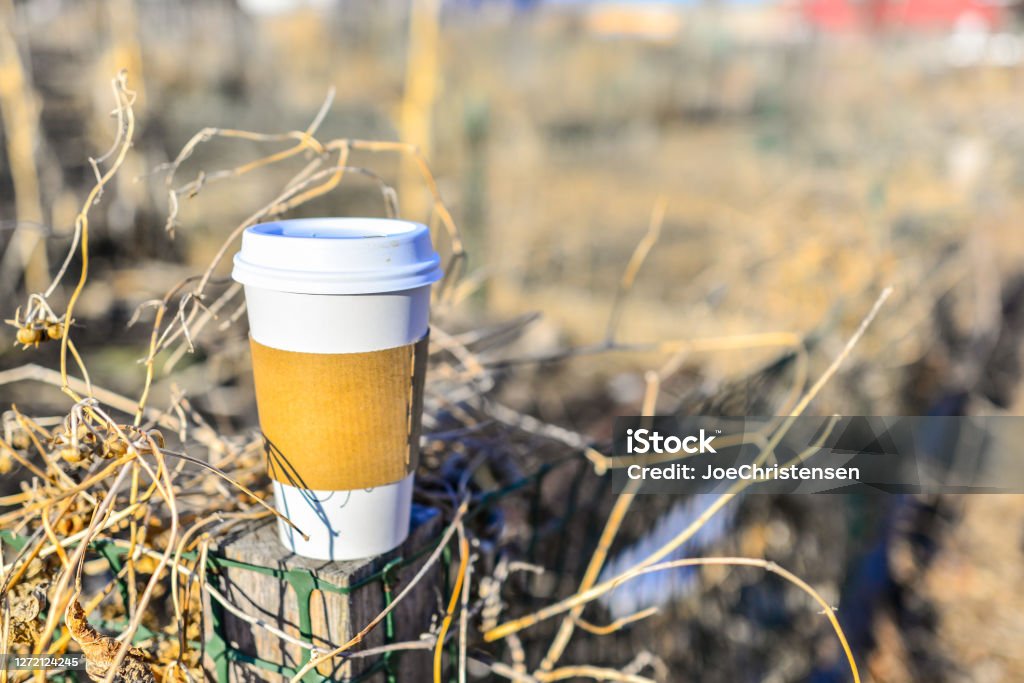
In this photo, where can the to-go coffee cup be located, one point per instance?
(339, 313)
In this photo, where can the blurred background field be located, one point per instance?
(795, 159)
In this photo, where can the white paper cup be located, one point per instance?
(339, 286)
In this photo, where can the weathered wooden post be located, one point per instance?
(325, 603)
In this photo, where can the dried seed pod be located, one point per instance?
(26, 602)
(114, 447)
(72, 454)
(29, 335)
(87, 436)
(101, 651)
(69, 524)
(55, 330)
(17, 435)
(146, 564)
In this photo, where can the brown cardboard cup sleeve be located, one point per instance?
(335, 422)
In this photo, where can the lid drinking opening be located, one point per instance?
(341, 229)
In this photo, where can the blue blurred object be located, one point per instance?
(661, 588)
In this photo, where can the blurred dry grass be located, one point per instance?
(800, 179)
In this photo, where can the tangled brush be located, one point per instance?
(162, 486)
